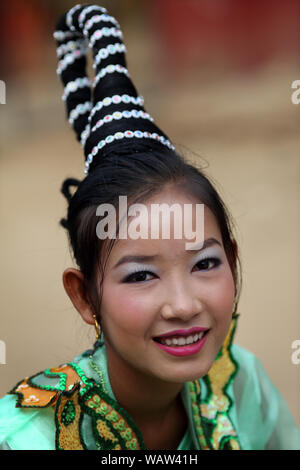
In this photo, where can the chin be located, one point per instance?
(197, 375)
(187, 374)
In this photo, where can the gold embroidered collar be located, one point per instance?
(86, 417)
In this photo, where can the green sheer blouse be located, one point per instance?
(258, 413)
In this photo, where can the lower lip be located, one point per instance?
(184, 350)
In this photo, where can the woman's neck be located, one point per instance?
(147, 399)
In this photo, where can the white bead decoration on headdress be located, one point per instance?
(69, 17)
(116, 99)
(85, 29)
(62, 35)
(70, 58)
(122, 135)
(69, 47)
(80, 109)
(120, 115)
(111, 68)
(108, 50)
(86, 11)
(107, 32)
(97, 18)
(84, 135)
(75, 85)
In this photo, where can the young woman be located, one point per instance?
(164, 372)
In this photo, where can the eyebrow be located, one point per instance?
(143, 258)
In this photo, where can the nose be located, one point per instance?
(182, 304)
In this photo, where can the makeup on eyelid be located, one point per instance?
(213, 254)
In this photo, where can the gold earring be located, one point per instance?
(97, 328)
(235, 305)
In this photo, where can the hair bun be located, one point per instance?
(107, 110)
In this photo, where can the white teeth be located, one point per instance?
(183, 341)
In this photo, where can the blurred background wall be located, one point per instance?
(216, 76)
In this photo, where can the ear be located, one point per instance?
(74, 287)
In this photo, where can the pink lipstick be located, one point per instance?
(195, 329)
(183, 350)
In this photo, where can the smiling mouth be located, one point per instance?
(180, 341)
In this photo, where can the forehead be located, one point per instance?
(172, 245)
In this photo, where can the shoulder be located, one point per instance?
(245, 359)
(263, 417)
(25, 429)
(250, 370)
(245, 356)
(27, 411)
(250, 373)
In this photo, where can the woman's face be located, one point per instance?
(178, 289)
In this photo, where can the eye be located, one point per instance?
(206, 262)
(138, 276)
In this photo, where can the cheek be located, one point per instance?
(223, 294)
(125, 309)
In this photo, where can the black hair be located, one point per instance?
(125, 152)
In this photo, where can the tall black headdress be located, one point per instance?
(106, 113)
